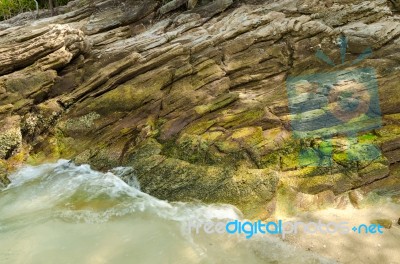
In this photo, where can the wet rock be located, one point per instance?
(196, 100)
(356, 198)
(10, 136)
(4, 181)
(386, 223)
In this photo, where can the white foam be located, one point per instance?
(65, 195)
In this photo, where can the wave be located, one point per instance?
(58, 202)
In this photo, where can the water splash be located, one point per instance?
(61, 212)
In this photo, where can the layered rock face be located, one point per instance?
(198, 101)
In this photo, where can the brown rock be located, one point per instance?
(207, 86)
(10, 136)
(386, 223)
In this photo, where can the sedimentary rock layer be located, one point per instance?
(197, 100)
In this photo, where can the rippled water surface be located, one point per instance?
(63, 213)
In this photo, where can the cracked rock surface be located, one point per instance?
(197, 101)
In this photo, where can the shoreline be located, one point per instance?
(353, 248)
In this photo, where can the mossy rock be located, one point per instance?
(4, 181)
(10, 136)
(178, 180)
(386, 223)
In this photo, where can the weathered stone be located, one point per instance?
(10, 136)
(355, 198)
(55, 48)
(4, 181)
(386, 223)
(196, 100)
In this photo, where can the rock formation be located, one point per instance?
(196, 100)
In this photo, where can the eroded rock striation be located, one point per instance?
(196, 100)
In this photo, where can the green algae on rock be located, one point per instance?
(196, 101)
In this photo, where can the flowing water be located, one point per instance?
(64, 213)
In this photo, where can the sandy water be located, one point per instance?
(63, 213)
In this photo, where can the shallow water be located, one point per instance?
(63, 213)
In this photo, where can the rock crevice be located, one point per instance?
(197, 100)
